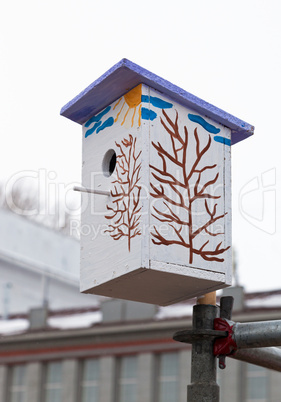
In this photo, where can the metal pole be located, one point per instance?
(203, 387)
(257, 334)
(269, 358)
(212, 336)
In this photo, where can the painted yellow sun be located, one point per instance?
(130, 105)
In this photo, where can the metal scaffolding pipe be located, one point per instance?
(257, 334)
(269, 358)
(203, 385)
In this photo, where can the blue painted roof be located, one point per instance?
(124, 76)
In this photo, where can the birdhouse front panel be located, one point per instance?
(158, 228)
(111, 234)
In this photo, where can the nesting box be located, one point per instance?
(156, 215)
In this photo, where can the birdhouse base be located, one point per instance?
(162, 284)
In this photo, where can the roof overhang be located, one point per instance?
(124, 76)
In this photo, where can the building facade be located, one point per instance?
(38, 266)
(119, 355)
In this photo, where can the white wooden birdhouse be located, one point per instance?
(156, 214)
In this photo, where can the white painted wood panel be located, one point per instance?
(190, 190)
(107, 249)
(164, 233)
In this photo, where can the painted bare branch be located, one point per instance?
(125, 209)
(171, 191)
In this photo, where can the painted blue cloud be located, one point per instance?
(98, 126)
(93, 129)
(207, 126)
(97, 117)
(108, 123)
(156, 102)
(222, 140)
(147, 114)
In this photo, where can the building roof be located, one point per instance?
(38, 247)
(126, 75)
(257, 306)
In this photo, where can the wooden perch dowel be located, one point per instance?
(88, 190)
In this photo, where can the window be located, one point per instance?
(167, 381)
(127, 381)
(53, 382)
(257, 384)
(90, 380)
(17, 389)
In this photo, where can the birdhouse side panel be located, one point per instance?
(190, 190)
(111, 231)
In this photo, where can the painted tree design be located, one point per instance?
(126, 193)
(180, 194)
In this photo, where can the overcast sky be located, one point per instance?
(227, 53)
